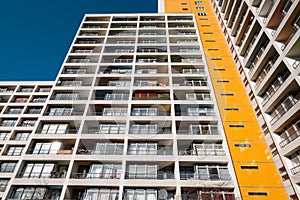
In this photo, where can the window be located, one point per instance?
(115, 111)
(38, 170)
(46, 148)
(198, 2)
(22, 136)
(105, 171)
(102, 193)
(145, 83)
(146, 71)
(4, 136)
(3, 184)
(214, 172)
(112, 129)
(223, 81)
(219, 69)
(70, 83)
(200, 8)
(29, 193)
(208, 149)
(227, 94)
(216, 59)
(117, 96)
(21, 100)
(257, 193)
(236, 126)
(242, 145)
(144, 112)
(39, 100)
(34, 110)
(231, 109)
(197, 96)
(7, 167)
(26, 90)
(202, 14)
(210, 40)
(45, 89)
(119, 83)
(8, 122)
(28, 123)
(142, 149)
(14, 111)
(184, 8)
(76, 71)
(67, 96)
(249, 167)
(60, 111)
(203, 129)
(143, 129)
(109, 148)
(141, 171)
(199, 111)
(149, 194)
(14, 151)
(54, 128)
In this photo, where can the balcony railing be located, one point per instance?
(207, 177)
(202, 152)
(257, 57)
(150, 131)
(100, 152)
(274, 87)
(293, 132)
(144, 175)
(159, 113)
(106, 175)
(203, 132)
(295, 170)
(150, 152)
(122, 60)
(69, 131)
(41, 175)
(263, 74)
(45, 152)
(284, 107)
(192, 83)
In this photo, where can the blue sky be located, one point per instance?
(36, 34)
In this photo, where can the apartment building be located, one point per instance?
(263, 39)
(155, 107)
(131, 115)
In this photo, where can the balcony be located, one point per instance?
(150, 96)
(205, 173)
(199, 129)
(295, 170)
(275, 85)
(94, 147)
(290, 134)
(148, 129)
(35, 192)
(263, 74)
(155, 175)
(284, 107)
(90, 170)
(207, 193)
(47, 172)
(119, 60)
(183, 110)
(256, 59)
(194, 83)
(201, 150)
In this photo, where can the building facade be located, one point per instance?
(131, 115)
(263, 37)
(161, 106)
